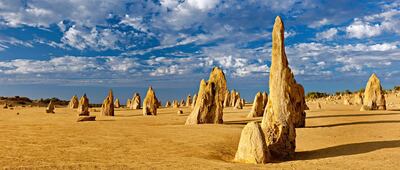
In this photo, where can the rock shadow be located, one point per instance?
(347, 149)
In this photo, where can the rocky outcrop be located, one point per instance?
(284, 108)
(150, 103)
(252, 147)
(175, 104)
(227, 99)
(188, 101)
(374, 98)
(86, 118)
(209, 103)
(116, 103)
(285, 102)
(182, 103)
(194, 100)
(73, 103)
(180, 112)
(234, 97)
(258, 106)
(346, 101)
(107, 108)
(265, 99)
(128, 103)
(50, 107)
(135, 103)
(168, 104)
(83, 107)
(238, 104)
(358, 98)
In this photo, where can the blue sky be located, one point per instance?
(65, 47)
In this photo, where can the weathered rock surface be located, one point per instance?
(358, 98)
(209, 102)
(374, 98)
(238, 104)
(168, 104)
(73, 103)
(227, 99)
(128, 103)
(265, 99)
(285, 102)
(175, 104)
(86, 118)
(234, 97)
(116, 103)
(107, 108)
(150, 103)
(252, 147)
(258, 106)
(135, 103)
(182, 103)
(188, 100)
(50, 107)
(346, 101)
(180, 112)
(194, 100)
(83, 107)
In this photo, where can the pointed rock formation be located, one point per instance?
(319, 106)
(238, 104)
(209, 102)
(182, 103)
(167, 104)
(243, 101)
(374, 98)
(135, 103)
(50, 107)
(188, 100)
(116, 103)
(233, 98)
(150, 103)
(194, 100)
(346, 101)
(128, 103)
(107, 108)
(175, 104)
(73, 103)
(265, 99)
(258, 106)
(252, 147)
(358, 98)
(83, 107)
(285, 103)
(227, 99)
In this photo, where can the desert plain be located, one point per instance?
(336, 136)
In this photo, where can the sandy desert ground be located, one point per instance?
(336, 137)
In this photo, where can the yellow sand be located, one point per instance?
(336, 137)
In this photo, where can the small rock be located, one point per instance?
(86, 118)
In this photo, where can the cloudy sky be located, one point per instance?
(65, 47)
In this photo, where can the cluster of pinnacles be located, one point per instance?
(282, 110)
(210, 99)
